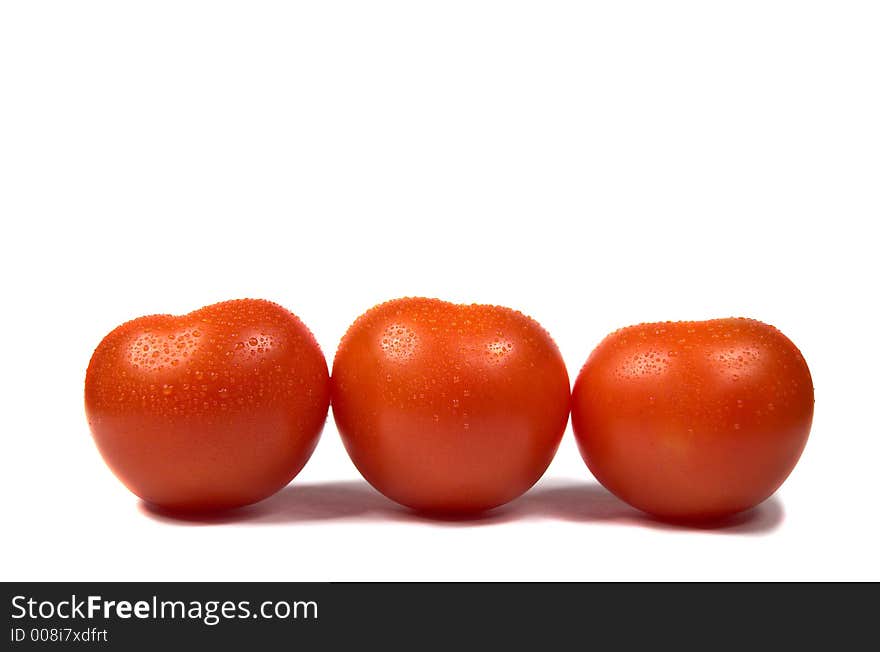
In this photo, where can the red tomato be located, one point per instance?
(693, 420)
(450, 408)
(215, 409)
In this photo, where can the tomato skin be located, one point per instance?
(215, 409)
(693, 420)
(449, 408)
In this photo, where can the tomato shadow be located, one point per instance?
(574, 501)
(589, 502)
(304, 503)
(296, 503)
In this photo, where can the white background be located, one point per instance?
(594, 164)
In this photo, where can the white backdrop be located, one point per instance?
(594, 164)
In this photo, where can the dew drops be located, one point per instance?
(399, 342)
(736, 363)
(497, 351)
(644, 363)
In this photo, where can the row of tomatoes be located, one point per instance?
(447, 408)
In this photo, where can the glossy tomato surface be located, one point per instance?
(693, 420)
(446, 407)
(214, 409)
